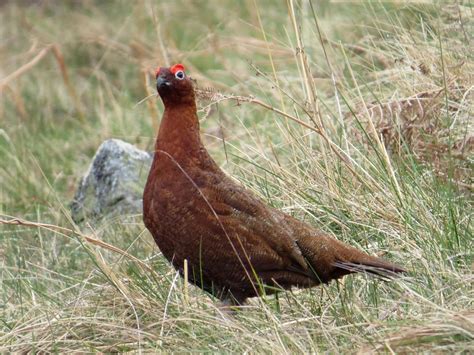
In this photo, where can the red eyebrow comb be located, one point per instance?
(177, 67)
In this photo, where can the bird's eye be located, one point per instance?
(179, 75)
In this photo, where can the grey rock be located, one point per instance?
(114, 183)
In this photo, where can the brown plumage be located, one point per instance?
(234, 244)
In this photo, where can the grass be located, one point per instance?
(353, 117)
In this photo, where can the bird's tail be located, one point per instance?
(331, 259)
(379, 267)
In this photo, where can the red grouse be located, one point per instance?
(235, 245)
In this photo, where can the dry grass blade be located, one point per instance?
(72, 91)
(25, 68)
(54, 48)
(216, 97)
(420, 338)
(150, 104)
(63, 231)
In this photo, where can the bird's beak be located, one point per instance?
(162, 82)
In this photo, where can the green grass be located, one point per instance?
(384, 163)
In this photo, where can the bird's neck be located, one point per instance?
(179, 131)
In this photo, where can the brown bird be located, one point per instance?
(235, 246)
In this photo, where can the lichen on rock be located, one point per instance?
(114, 182)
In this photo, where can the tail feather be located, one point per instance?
(331, 259)
(385, 271)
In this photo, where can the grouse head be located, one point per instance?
(174, 86)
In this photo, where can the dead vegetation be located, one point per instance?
(445, 331)
(417, 125)
(428, 95)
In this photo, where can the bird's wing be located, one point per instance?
(258, 223)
